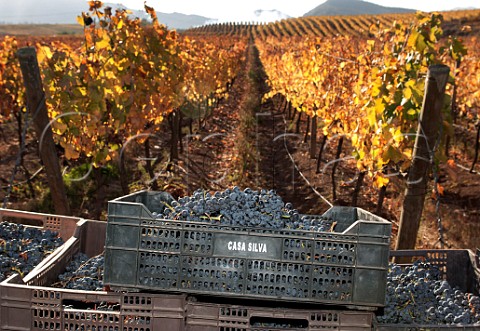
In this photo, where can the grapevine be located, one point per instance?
(468, 93)
(318, 77)
(11, 88)
(127, 79)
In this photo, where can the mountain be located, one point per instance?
(175, 21)
(353, 7)
(57, 12)
(180, 21)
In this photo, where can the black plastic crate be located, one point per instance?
(346, 267)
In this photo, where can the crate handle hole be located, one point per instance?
(91, 305)
(279, 323)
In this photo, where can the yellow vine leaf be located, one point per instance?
(80, 20)
(407, 92)
(380, 181)
(44, 54)
(104, 43)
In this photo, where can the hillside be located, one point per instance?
(176, 21)
(40, 29)
(461, 22)
(353, 7)
(181, 21)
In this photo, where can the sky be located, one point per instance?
(63, 11)
(235, 10)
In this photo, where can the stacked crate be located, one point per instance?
(30, 303)
(337, 278)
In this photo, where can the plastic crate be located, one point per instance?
(222, 317)
(65, 226)
(29, 304)
(460, 267)
(347, 267)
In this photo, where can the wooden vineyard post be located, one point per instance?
(427, 134)
(313, 138)
(35, 99)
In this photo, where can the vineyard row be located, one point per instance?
(370, 91)
(331, 26)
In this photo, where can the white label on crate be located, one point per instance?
(247, 246)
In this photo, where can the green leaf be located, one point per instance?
(420, 43)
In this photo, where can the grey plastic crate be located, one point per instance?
(347, 267)
(42, 308)
(222, 317)
(30, 304)
(460, 267)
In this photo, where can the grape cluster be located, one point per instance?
(23, 247)
(242, 208)
(418, 294)
(83, 273)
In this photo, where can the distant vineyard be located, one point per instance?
(330, 26)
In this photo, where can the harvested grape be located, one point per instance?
(83, 273)
(241, 208)
(23, 247)
(418, 295)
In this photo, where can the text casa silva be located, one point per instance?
(243, 246)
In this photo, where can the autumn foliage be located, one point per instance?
(124, 81)
(368, 90)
